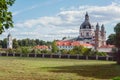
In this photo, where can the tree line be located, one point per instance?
(24, 43)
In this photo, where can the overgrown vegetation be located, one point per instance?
(76, 50)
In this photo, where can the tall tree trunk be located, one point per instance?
(118, 56)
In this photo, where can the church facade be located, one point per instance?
(95, 35)
(90, 36)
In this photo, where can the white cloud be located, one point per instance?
(67, 21)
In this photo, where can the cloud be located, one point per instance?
(67, 21)
(24, 10)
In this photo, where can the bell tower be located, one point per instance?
(9, 41)
(97, 36)
(103, 35)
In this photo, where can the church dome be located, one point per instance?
(86, 24)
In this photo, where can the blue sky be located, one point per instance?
(54, 19)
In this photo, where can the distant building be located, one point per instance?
(106, 48)
(42, 47)
(9, 41)
(89, 36)
(68, 45)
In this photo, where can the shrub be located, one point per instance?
(10, 51)
(101, 53)
(25, 51)
(116, 78)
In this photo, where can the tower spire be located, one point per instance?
(86, 16)
(102, 27)
(97, 26)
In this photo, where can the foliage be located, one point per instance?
(5, 15)
(24, 43)
(116, 78)
(78, 49)
(15, 44)
(111, 39)
(4, 43)
(25, 50)
(64, 38)
(44, 51)
(54, 47)
(101, 53)
(117, 35)
(81, 50)
(117, 41)
(18, 50)
(64, 51)
(10, 51)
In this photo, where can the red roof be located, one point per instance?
(41, 47)
(71, 43)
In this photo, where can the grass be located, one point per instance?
(16, 68)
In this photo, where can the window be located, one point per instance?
(87, 34)
(81, 34)
(87, 42)
(87, 27)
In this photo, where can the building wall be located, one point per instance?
(104, 49)
(9, 42)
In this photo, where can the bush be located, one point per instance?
(101, 53)
(25, 51)
(116, 78)
(10, 51)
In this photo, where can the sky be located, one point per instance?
(54, 19)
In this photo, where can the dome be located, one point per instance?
(86, 24)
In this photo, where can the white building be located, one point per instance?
(9, 41)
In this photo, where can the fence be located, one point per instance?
(61, 56)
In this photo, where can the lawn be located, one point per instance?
(16, 68)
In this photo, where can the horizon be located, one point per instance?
(54, 19)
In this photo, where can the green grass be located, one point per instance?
(13, 68)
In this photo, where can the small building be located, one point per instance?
(42, 47)
(9, 41)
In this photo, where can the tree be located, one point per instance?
(111, 39)
(5, 15)
(64, 38)
(4, 43)
(117, 41)
(54, 47)
(15, 43)
(78, 50)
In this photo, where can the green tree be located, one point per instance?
(117, 41)
(86, 51)
(54, 47)
(5, 15)
(4, 43)
(25, 51)
(37, 41)
(64, 51)
(64, 38)
(15, 43)
(78, 49)
(111, 39)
